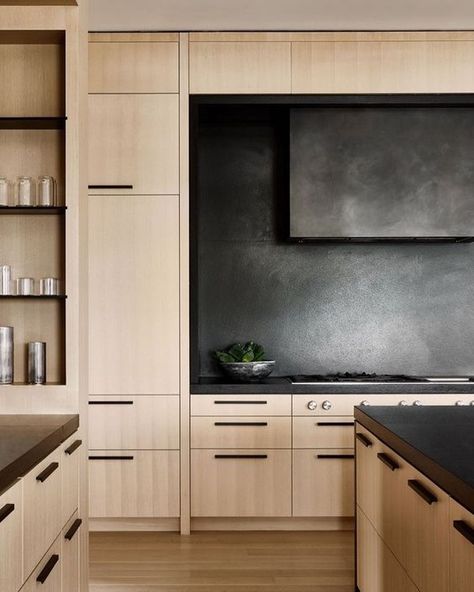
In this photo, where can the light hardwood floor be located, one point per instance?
(222, 562)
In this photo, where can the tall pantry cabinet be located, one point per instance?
(134, 281)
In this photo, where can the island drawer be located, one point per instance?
(11, 538)
(323, 432)
(241, 432)
(217, 405)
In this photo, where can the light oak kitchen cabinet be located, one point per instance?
(11, 538)
(461, 548)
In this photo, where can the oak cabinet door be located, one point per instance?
(71, 452)
(134, 295)
(323, 432)
(11, 538)
(461, 548)
(235, 405)
(46, 576)
(70, 554)
(133, 144)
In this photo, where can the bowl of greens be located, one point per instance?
(245, 363)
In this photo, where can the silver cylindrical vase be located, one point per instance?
(36, 362)
(6, 355)
(5, 280)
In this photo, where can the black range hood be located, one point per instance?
(382, 172)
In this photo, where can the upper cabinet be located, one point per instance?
(239, 66)
(133, 143)
(125, 66)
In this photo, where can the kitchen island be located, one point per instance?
(415, 499)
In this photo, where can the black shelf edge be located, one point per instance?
(32, 122)
(34, 296)
(32, 210)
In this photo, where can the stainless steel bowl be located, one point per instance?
(248, 371)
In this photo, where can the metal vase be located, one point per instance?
(6, 355)
(36, 362)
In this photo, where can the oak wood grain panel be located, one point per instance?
(226, 36)
(70, 553)
(70, 476)
(461, 550)
(124, 37)
(53, 582)
(134, 295)
(146, 486)
(333, 432)
(240, 405)
(260, 432)
(243, 486)
(133, 140)
(383, 67)
(239, 68)
(148, 423)
(11, 539)
(323, 486)
(140, 67)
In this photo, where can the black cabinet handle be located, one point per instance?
(241, 423)
(240, 402)
(387, 461)
(240, 455)
(327, 424)
(6, 511)
(47, 569)
(464, 529)
(422, 491)
(365, 441)
(334, 456)
(72, 531)
(49, 470)
(100, 457)
(74, 446)
(110, 186)
(110, 402)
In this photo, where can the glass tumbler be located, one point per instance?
(46, 191)
(4, 191)
(25, 189)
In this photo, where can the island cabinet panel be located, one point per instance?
(70, 554)
(134, 484)
(378, 570)
(70, 456)
(133, 144)
(383, 66)
(133, 66)
(46, 576)
(323, 482)
(134, 295)
(11, 538)
(461, 548)
(239, 67)
(235, 405)
(241, 483)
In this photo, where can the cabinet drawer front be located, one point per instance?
(70, 554)
(47, 574)
(461, 547)
(133, 141)
(133, 484)
(323, 482)
(129, 423)
(240, 483)
(11, 538)
(42, 512)
(331, 432)
(216, 405)
(139, 67)
(241, 432)
(71, 452)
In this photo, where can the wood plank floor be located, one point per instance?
(222, 562)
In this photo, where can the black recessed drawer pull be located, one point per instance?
(240, 402)
(464, 529)
(6, 511)
(74, 446)
(110, 402)
(387, 461)
(49, 470)
(365, 441)
(334, 456)
(100, 457)
(74, 528)
(422, 491)
(110, 186)
(241, 423)
(335, 423)
(47, 569)
(240, 455)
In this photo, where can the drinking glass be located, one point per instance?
(25, 191)
(46, 191)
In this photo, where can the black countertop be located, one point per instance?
(281, 385)
(438, 441)
(25, 440)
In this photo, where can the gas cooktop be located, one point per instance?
(365, 377)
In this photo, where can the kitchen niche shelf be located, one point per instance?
(33, 296)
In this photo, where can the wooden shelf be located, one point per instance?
(32, 123)
(32, 210)
(33, 297)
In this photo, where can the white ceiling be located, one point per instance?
(204, 15)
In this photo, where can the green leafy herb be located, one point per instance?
(250, 352)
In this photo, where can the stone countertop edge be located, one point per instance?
(37, 453)
(454, 486)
